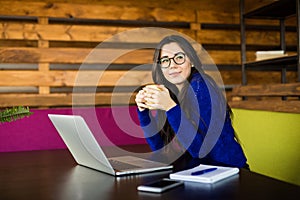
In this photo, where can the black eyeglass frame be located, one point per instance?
(179, 53)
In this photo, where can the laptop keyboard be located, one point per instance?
(122, 165)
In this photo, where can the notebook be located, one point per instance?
(87, 152)
(205, 173)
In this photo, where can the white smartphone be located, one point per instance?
(160, 186)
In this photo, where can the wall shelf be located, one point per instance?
(275, 63)
(277, 10)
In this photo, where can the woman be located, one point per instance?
(186, 101)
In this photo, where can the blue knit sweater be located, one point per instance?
(220, 146)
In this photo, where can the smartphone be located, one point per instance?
(160, 186)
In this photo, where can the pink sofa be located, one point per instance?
(110, 126)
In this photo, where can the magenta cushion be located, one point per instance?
(110, 126)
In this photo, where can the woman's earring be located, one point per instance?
(192, 65)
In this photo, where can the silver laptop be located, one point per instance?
(87, 152)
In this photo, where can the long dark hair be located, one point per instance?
(167, 132)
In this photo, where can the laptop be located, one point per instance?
(87, 152)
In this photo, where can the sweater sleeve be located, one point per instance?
(150, 129)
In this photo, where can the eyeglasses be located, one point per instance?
(179, 59)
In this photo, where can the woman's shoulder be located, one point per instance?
(198, 86)
(203, 84)
(202, 79)
(197, 80)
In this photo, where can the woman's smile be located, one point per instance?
(174, 74)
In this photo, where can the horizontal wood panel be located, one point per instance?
(267, 77)
(267, 97)
(109, 78)
(74, 78)
(221, 57)
(101, 55)
(91, 33)
(215, 16)
(74, 55)
(37, 100)
(288, 89)
(203, 5)
(275, 106)
(27, 31)
(267, 38)
(8, 100)
(234, 77)
(92, 11)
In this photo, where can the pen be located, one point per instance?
(204, 171)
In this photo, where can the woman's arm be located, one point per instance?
(150, 129)
(191, 130)
(185, 131)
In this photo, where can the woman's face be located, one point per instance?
(176, 73)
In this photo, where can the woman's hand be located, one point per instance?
(140, 100)
(157, 97)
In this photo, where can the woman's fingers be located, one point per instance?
(140, 100)
(156, 97)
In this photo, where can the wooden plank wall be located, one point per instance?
(271, 97)
(43, 44)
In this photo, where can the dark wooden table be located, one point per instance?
(55, 175)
